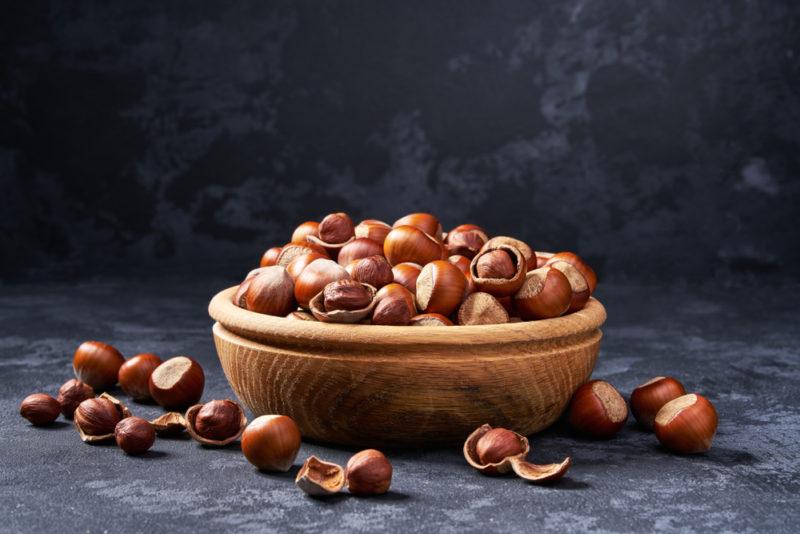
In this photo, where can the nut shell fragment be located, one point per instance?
(319, 478)
(169, 424)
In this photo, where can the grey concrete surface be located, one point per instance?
(735, 345)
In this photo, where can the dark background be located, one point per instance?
(658, 139)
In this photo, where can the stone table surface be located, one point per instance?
(736, 346)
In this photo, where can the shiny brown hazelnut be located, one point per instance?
(466, 240)
(40, 409)
(527, 252)
(97, 364)
(463, 263)
(96, 418)
(292, 250)
(270, 257)
(498, 270)
(216, 423)
(319, 478)
(430, 319)
(394, 305)
(440, 287)
(297, 265)
(71, 394)
(357, 249)
(336, 228)
(238, 297)
(134, 435)
(410, 244)
(544, 294)
(271, 292)
(577, 262)
(345, 295)
(497, 445)
(271, 442)
(580, 289)
(597, 410)
(648, 398)
(368, 473)
(314, 278)
(542, 258)
(481, 308)
(424, 221)
(134, 375)
(308, 228)
(177, 383)
(373, 270)
(373, 229)
(686, 425)
(406, 275)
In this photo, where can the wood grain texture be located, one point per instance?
(376, 386)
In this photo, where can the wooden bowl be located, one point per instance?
(369, 385)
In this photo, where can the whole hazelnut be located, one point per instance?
(134, 435)
(97, 417)
(424, 221)
(346, 295)
(97, 364)
(373, 229)
(497, 445)
(134, 375)
(71, 394)
(336, 228)
(314, 278)
(406, 275)
(410, 244)
(577, 262)
(304, 230)
(545, 294)
(271, 442)
(270, 257)
(440, 287)
(648, 398)
(271, 292)
(358, 248)
(394, 306)
(218, 420)
(368, 473)
(177, 383)
(686, 425)
(40, 409)
(597, 410)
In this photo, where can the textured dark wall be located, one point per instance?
(656, 138)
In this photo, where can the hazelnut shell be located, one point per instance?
(191, 427)
(499, 287)
(524, 248)
(317, 306)
(169, 424)
(319, 478)
(81, 425)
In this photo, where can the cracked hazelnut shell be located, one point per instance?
(498, 270)
(337, 302)
(466, 240)
(319, 478)
(527, 252)
(39, 409)
(71, 394)
(97, 364)
(169, 424)
(216, 423)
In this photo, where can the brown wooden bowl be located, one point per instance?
(371, 385)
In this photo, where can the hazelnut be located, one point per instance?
(394, 305)
(169, 424)
(357, 249)
(577, 262)
(270, 257)
(368, 473)
(463, 263)
(440, 287)
(424, 221)
(498, 270)
(271, 292)
(97, 364)
(466, 240)
(134, 435)
(314, 278)
(96, 418)
(318, 478)
(527, 252)
(345, 295)
(495, 451)
(648, 398)
(686, 425)
(430, 319)
(291, 251)
(580, 289)
(297, 265)
(336, 228)
(308, 228)
(238, 297)
(545, 293)
(481, 308)
(410, 244)
(373, 270)
(406, 275)
(71, 394)
(40, 409)
(597, 410)
(134, 375)
(542, 258)
(178, 382)
(374, 230)
(216, 423)
(271, 442)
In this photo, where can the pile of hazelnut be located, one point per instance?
(269, 442)
(412, 273)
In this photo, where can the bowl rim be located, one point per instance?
(258, 326)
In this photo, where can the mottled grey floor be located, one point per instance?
(737, 346)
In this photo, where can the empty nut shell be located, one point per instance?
(318, 478)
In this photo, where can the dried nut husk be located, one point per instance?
(317, 306)
(169, 424)
(191, 427)
(319, 478)
(499, 287)
(537, 474)
(95, 438)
